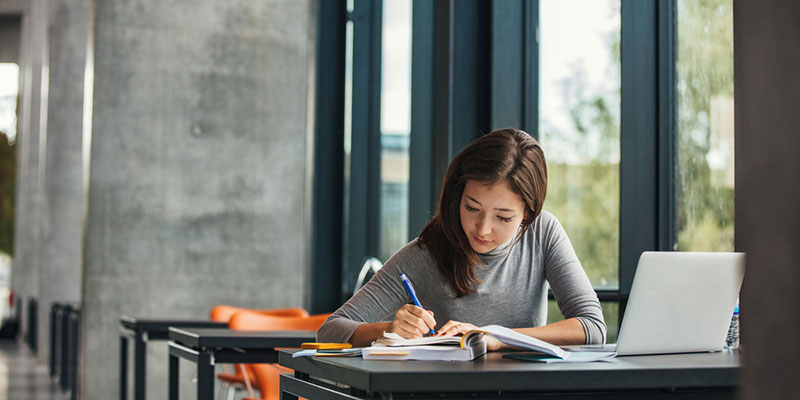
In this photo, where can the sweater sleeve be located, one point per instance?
(381, 297)
(571, 287)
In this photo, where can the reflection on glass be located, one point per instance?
(705, 125)
(348, 135)
(395, 125)
(579, 127)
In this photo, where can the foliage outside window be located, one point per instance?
(395, 125)
(705, 171)
(579, 127)
(579, 130)
(9, 84)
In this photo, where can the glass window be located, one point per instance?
(395, 125)
(610, 313)
(9, 87)
(705, 125)
(579, 81)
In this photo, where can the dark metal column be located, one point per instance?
(326, 234)
(363, 223)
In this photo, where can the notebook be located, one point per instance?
(680, 302)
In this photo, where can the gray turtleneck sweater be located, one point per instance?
(513, 292)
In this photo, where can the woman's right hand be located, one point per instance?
(411, 322)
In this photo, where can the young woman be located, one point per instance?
(486, 257)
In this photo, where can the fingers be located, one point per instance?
(425, 315)
(452, 328)
(411, 322)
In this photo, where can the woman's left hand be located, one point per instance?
(453, 328)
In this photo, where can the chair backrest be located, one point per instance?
(255, 321)
(267, 375)
(223, 313)
(370, 268)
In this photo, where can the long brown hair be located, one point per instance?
(504, 155)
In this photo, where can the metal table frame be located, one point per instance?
(208, 347)
(141, 331)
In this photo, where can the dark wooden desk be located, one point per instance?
(208, 347)
(142, 330)
(695, 376)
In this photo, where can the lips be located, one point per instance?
(479, 241)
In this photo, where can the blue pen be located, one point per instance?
(413, 294)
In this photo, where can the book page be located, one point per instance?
(393, 339)
(513, 338)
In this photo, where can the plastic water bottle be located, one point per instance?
(732, 340)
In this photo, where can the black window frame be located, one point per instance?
(475, 68)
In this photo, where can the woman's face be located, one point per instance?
(490, 215)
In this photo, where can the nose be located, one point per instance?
(483, 227)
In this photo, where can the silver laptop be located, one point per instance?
(679, 303)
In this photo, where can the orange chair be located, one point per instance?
(268, 375)
(223, 313)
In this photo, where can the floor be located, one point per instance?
(23, 377)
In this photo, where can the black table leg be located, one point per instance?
(75, 343)
(287, 396)
(57, 344)
(284, 394)
(64, 369)
(139, 366)
(205, 377)
(123, 367)
(53, 324)
(173, 377)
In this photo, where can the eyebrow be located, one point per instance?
(498, 209)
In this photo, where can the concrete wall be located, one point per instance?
(61, 226)
(197, 178)
(766, 65)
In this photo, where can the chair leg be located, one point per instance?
(231, 392)
(221, 390)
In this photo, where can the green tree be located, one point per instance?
(704, 72)
(585, 195)
(7, 172)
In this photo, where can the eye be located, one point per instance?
(471, 209)
(504, 219)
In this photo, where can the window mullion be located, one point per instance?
(364, 196)
(639, 158)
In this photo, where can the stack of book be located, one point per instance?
(455, 348)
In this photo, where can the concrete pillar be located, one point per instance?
(31, 135)
(60, 274)
(198, 176)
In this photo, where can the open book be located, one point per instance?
(454, 348)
